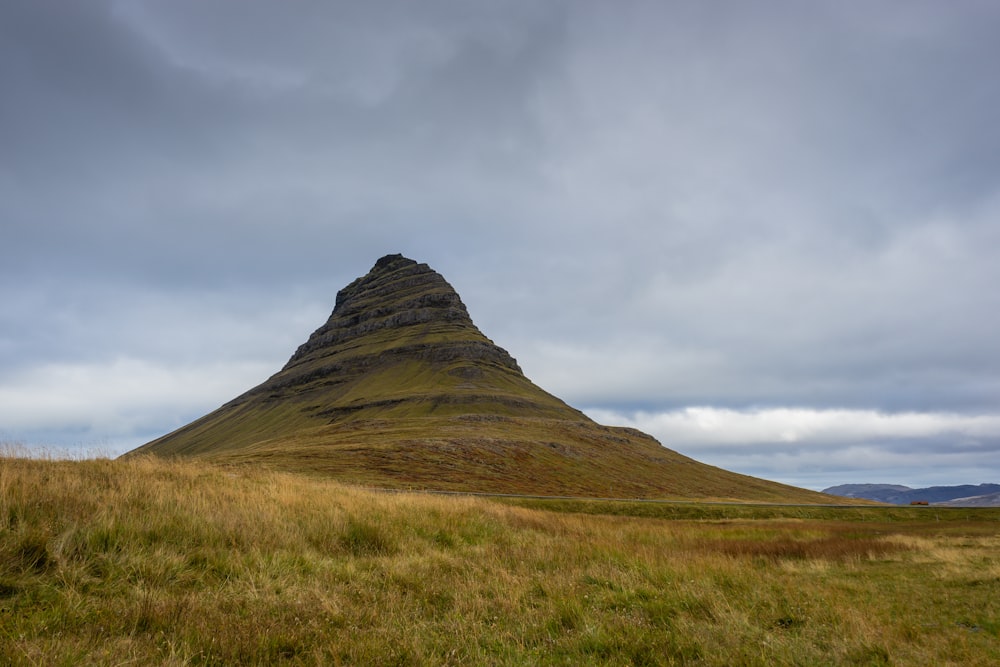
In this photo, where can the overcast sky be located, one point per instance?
(764, 232)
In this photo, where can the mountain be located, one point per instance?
(400, 389)
(987, 500)
(904, 495)
(868, 491)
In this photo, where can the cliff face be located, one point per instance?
(398, 294)
(399, 388)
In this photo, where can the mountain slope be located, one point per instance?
(399, 388)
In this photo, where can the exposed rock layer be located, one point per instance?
(396, 293)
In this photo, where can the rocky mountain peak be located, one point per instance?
(399, 300)
(383, 267)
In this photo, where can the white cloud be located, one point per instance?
(808, 427)
(824, 447)
(121, 398)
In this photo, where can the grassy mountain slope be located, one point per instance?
(400, 389)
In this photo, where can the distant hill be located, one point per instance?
(904, 495)
(400, 389)
(987, 500)
(868, 491)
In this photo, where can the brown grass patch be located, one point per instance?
(833, 548)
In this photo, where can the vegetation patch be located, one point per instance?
(362, 538)
(827, 548)
(146, 561)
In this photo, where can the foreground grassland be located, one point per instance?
(145, 561)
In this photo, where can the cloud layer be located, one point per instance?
(782, 209)
(809, 446)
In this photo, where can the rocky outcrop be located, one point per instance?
(339, 368)
(396, 294)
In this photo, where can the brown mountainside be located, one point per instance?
(400, 389)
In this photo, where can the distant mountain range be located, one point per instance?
(963, 495)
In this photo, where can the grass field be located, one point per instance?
(145, 561)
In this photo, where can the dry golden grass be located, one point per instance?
(151, 562)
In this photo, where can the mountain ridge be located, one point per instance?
(903, 495)
(985, 500)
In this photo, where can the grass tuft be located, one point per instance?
(30, 552)
(362, 538)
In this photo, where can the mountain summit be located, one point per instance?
(400, 389)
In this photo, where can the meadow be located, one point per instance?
(147, 561)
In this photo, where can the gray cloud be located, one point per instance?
(652, 205)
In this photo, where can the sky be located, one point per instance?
(765, 233)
